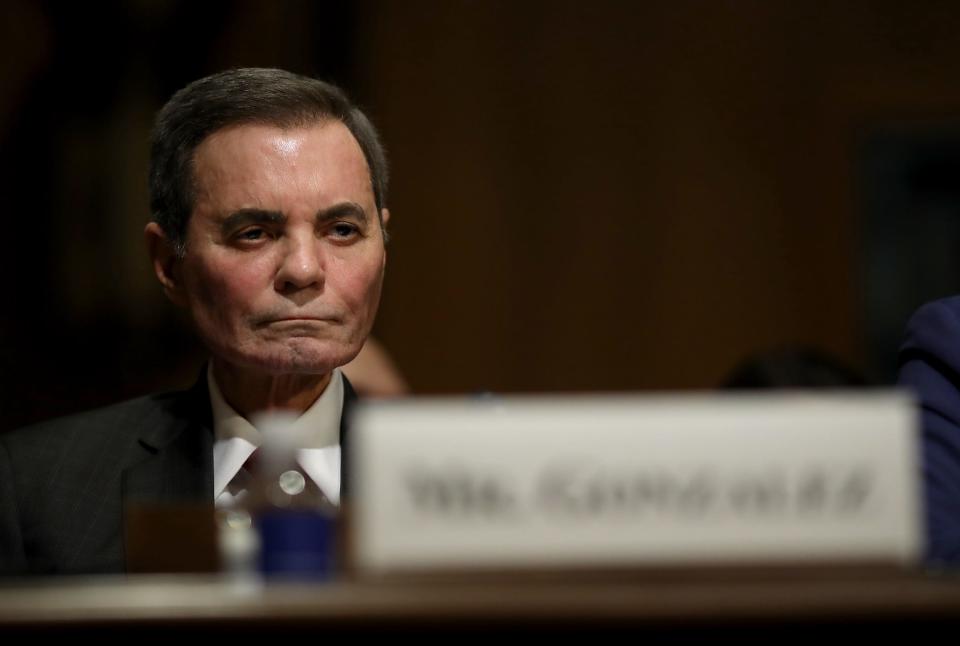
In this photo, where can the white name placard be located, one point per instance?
(638, 480)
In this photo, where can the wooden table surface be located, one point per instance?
(882, 599)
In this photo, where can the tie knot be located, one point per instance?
(283, 486)
(254, 462)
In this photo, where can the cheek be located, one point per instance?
(226, 288)
(359, 283)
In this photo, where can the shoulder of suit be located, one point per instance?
(121, 419)
(932, 339)
(934, 324)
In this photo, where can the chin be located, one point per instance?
(309, 358)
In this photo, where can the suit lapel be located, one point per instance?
(175, 453)
(349, 401)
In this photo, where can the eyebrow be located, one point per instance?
(245, 217)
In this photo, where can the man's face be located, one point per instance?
(284, 254)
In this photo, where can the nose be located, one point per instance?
(302, 265)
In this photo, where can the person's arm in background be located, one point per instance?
(374, 374)
(930, 366)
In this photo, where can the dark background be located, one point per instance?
(590, 196)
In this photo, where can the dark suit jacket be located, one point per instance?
(64, 483)
(930, 366)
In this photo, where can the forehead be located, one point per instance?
(249, 162)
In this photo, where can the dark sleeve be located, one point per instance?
(12, 557)
(930, 366)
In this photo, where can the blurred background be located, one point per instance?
(599, 196)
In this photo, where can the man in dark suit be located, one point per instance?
(930, 366)
(267, 196)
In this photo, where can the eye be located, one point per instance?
(252, 234)
(344, 231)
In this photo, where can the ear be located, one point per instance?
(384, 218)
(166, 263)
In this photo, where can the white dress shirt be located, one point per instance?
(236, 439)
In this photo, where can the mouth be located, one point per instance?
(300, 321)
(304, 318)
